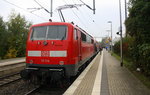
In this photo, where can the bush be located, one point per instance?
(144, 51)
(127, 42)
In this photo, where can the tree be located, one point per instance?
(3, 38)
(18, 29)
(137, 26)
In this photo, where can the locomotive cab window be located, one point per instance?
(75, 34)
(88, 39)
(39, 33)
(83, 36)
(57, 32)
(53, 32)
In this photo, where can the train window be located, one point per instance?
(57, 32)
(88, 39)
(83, 36)
(92, 41)
(39, 33)
(75, 34)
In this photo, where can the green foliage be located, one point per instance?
(103, 42)
(12, 53)
(144, 52)
(18, 28)
(116, 47)
(138, 27)
(139, 20)
(127, 42)
(15, 36)
(3, 38)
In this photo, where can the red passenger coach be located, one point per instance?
(56, 47)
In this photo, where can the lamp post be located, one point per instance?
(125, 15)
(108, 33)
(111, 33)
(121, 63)
(125, 9)
(108, 41)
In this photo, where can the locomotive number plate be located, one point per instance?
(45, 53)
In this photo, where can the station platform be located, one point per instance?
(105, 76)
(11, 61)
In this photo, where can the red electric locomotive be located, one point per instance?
(56, 47)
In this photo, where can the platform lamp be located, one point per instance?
(120, 30)
(111, 33)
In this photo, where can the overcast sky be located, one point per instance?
(96, 25)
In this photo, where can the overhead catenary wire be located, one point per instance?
(77, 16)
(86, 5)
(91, 19)
(81, 12)
(34, 9)
(87, 15)
(44, 9)
(84, 17)
(23, 9)
(42, 6)
(84, 12)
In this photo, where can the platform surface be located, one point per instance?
(105, 76)
(119, 80)
(12, 61)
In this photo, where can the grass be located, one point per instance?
(128, 64)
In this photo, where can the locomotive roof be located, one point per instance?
(60, 23)
(51, 23)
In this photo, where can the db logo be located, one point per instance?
(45, 53)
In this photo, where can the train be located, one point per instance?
(55, 49)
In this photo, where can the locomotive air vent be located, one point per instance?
(45, 43)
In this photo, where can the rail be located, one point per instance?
(5, 80)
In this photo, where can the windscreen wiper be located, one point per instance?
(63, 36)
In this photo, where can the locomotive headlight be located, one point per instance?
(31, 61)
(61, 62)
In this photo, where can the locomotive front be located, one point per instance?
(48, 51)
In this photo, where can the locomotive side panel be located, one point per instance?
(87, 46)
(76, 48)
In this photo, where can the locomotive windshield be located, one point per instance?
(53, 32)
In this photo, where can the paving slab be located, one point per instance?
(85, 83)
(120, 80)
(86, 86)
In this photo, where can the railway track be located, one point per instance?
(46, 90)
(33, 90)
(8, 69)
(5, 80)
(52, 90)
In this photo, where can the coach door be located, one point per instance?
(79, 44)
